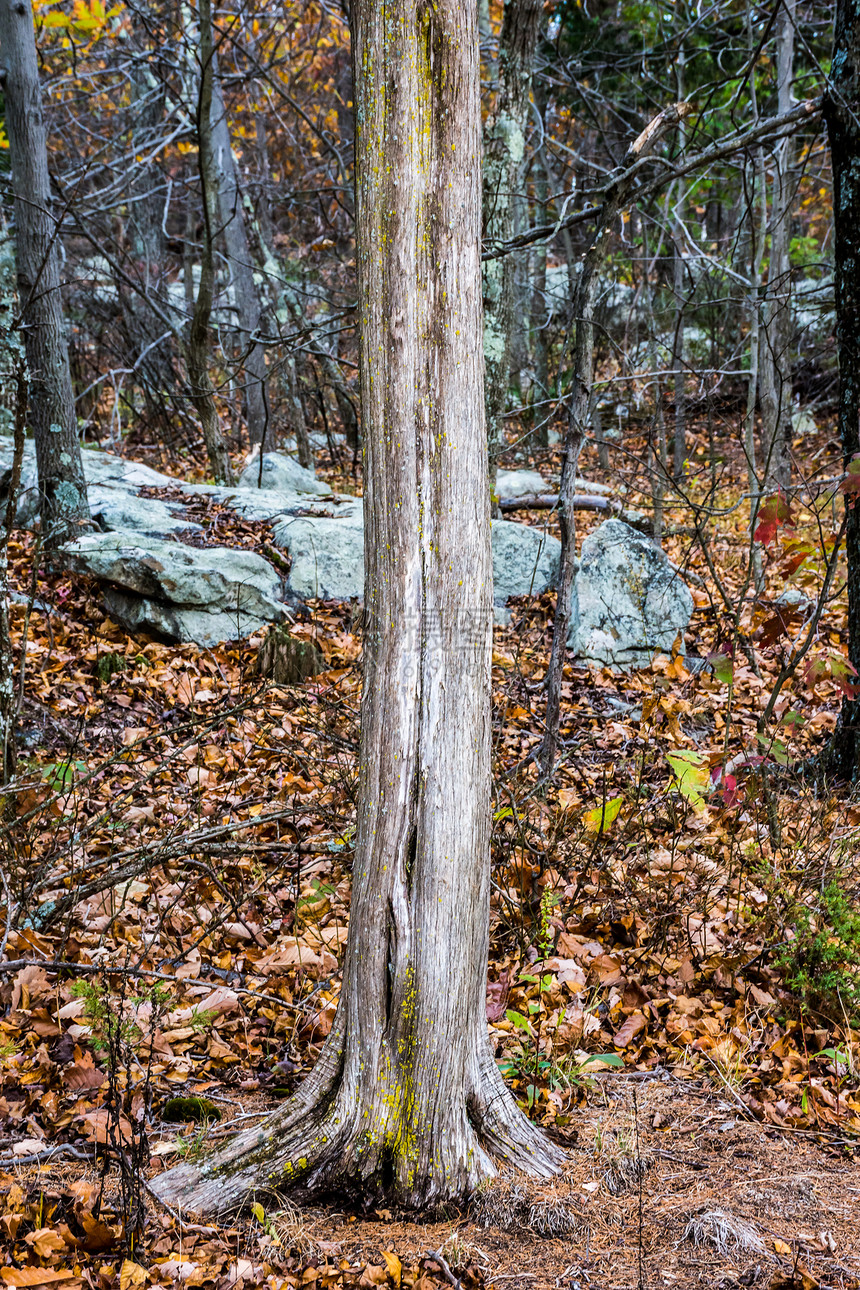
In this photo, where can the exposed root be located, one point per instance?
(724, 1232)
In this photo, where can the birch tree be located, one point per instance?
(406, 1101)
(62, 487)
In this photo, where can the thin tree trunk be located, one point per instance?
(8, 697)
(578, 416)
(843, 128)
(679, 447)
(62, 487)
(252, 375)
(197, 350)
(504, 152)
(776, 320)
(406, 1102)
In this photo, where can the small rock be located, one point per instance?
(519, 483)
(183, 593)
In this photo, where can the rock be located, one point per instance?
(280, 472)
(288, 659)
(327, 556)
(793, 599)
(117, 508)
(184, 593)
(629, 604)
(525, 560)
(803, 422)
(520, 483)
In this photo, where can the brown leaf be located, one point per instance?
(634, 1023)
(45, 1241)
(97, 1125)
(35, 1276)
(132, 1276)
(98, 1237)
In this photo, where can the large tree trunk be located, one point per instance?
(197, 349)
(246, 292)
(62, 487)
(504, 153)
(406, 1102)
(842, 113)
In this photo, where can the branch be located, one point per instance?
(769, 128)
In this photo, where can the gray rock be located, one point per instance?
(328, 558)
(629, 604)
(281, 472)
(118, 508)
(185, 593)
(803, 422)
(793, 599)
(519, 483)
(525, 560)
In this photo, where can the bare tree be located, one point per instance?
(406, 1100)
(62, 487)
(197, 349)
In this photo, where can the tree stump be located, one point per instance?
(286, 659)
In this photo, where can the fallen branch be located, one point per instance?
(581, 502)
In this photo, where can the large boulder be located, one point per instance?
(520, 483)
(525, 560)
(629, 604)
(184, 593)
(280, 472)
(326, 556)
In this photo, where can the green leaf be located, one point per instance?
(611, 1059)
(599, 820)
(693, 774)
(518, 1021)
(723, 667)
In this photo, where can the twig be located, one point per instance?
(41, 1157)
(446, 1271)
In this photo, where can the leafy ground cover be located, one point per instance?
(673, 986)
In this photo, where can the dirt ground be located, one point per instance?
(724, 1202)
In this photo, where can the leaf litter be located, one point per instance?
(181, 860)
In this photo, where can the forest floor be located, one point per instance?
(674, 943)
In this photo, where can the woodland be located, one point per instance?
(429, 644)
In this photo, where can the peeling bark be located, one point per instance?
(406, 1102)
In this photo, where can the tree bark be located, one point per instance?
(842, 114)
(504, 153)
(246, 292)
(406, 1102)
(62, 487)
(197, 349)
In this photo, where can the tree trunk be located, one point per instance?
(775, 362)
(197, 348)
(679, 447)
(842, 114)
(406, 1102)
(62, 487)
(246, 292)
(504, 152)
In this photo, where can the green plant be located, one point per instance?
(822, 962)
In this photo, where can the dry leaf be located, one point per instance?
(132, 1276)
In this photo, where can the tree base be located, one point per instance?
(325, 1140)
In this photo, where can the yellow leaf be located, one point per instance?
(599, 820)
(395, 1270)
(258, 1212)
(780, 1247)
(132, 1276)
